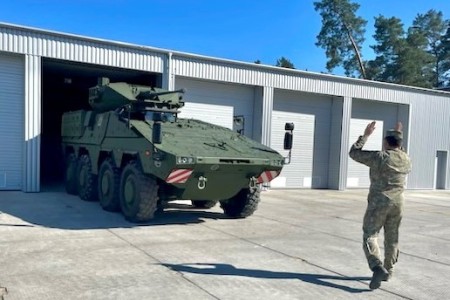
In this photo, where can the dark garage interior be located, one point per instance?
(65, 88)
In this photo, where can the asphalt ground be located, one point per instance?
(300, 244)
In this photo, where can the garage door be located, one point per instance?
(358, 174)
(310, 154)
(218, 103)
(363, 112)
(12, 120)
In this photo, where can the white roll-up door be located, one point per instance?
(299, 172)
(357, 173)
(386, 116)
(217, 103)
(310, 153)
(12, 119)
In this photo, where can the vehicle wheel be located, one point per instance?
(242, 205)
(138, 194)
(87, 182)
(204, 204)
(109, 186)
(71, 174)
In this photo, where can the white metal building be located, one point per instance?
(44, 73)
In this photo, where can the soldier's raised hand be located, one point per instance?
(399, 126)
(369, 129)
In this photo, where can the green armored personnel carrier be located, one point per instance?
(132, 153)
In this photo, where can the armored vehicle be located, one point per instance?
(133, 154)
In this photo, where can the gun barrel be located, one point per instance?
(110, 96)
(152, 94)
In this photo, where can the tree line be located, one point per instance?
(418, 55)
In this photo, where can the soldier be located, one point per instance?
(388, 170)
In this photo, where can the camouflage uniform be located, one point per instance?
(388, 170)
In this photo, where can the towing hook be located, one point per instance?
(202, 182)
(253, 182)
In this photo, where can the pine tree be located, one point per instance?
(342, 35)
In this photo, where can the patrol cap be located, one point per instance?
(394, 133)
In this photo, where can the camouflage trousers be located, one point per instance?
(377, 216)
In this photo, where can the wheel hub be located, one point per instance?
(106, 183)
(83, 177)
(129, 191)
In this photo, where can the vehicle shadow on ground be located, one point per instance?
(62, 211)
(227, 269)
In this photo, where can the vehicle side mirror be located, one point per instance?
(288, 140)
(156, 131)
(288, 136)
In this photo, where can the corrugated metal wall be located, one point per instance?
(32, 148)
(79, 49)
(70, 47)
(266, 119)
(429, 127)
(429, 133)
(339, 136)
(252, 74)
(11, 116)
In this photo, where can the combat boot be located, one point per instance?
(391, 273)
(379, 274)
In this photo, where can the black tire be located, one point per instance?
(242, 205)
(87, 182)
(109, 186)
(71, 179)
(138, 194)
(204, 204)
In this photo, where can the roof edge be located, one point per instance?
(220, 60)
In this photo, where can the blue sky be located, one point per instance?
(243, 30)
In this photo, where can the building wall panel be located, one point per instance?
(11, 116)
(245, 73)
(218, 103)
(311, 115)
(339, 136)
(429, 133)
(77, 48)
(32, 134)
(80, 49)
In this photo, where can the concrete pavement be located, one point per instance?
(300, 244)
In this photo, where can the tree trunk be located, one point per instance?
(358, 54)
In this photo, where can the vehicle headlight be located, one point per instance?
(185, 160)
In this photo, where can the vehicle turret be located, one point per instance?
(107, 96)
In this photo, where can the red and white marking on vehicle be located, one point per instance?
(179, 176)
(267, 176)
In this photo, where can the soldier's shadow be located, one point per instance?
(227, 269)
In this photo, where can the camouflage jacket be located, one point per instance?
(388, 170)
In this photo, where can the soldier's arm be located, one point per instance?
(399, 128)
(362, 156)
